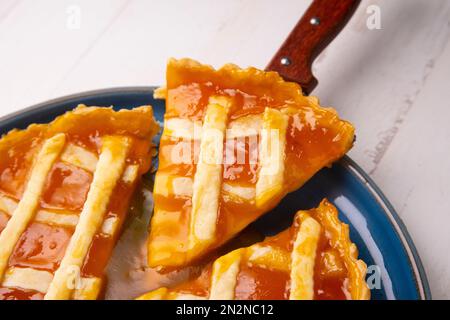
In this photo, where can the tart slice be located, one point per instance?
(64, 194)
(235, 142)
(313, 259)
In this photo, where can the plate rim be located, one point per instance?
(399, 226)
(420, 277)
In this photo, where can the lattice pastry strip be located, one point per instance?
(71, 199)
(235, 142)
(109, 169)
(25, 209)
(208, 175)
(313, 259)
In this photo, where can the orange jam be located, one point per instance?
(19, 294)
(315, 138)
(241, 165)
(66, 187)
(256, 283)
(15, 167)
(263, 282)
(102, 246)
(198, 286)
(43, 245)
(330, 274)
(3, 220)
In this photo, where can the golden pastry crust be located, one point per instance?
(137, 122)
(109, 169)
(58, 188)
(289, 265)
(26, 207)
(250, 80)
(339, 232)
(271, 140)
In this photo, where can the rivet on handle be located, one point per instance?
(319, 25)
(314, 21)
(285, 61)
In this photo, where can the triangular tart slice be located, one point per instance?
(64, 194)
(235, 142)
(314, 259)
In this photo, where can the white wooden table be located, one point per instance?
(393, 83)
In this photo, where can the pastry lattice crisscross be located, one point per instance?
(313, 259)
(64, 193)
(234, 143)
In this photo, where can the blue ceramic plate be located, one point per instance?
(382, 239)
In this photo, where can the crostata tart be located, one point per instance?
(64, 193)
(235, 142)
(313, 259)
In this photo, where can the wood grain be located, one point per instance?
(319, 25)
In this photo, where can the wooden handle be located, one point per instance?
(320, 24)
